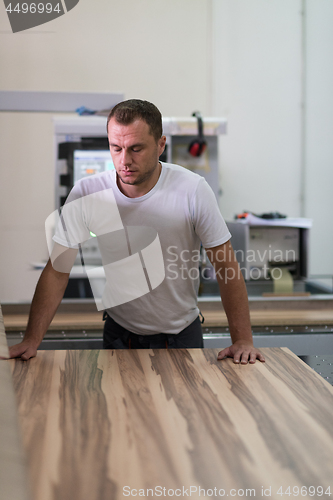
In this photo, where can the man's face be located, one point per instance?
(135, 153)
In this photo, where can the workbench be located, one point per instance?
(304, 325)
(100, 425)
(82, 314)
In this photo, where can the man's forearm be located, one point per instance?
(235, 302)
(49, 292)
(234, 297)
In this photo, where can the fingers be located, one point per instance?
(15, 351)
(241, 354)
(225, 353)
(261, 357)
(22, 351)
(29, 353)
(248, 356)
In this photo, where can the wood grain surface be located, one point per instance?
(213, 319)
(13, 465)
(3, 340)
(97, 425)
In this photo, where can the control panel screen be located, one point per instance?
(90, 162)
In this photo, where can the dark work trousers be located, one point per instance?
(117, 337)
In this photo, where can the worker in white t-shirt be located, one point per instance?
(150, 219)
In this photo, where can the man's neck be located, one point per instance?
(138, 190)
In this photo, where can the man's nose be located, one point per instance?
(126, 158)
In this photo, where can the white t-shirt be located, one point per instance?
(160, 233)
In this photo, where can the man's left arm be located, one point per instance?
(235, 302)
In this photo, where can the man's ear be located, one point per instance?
(161, 144)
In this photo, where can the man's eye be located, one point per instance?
(136, 150)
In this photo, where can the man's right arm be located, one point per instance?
(49, 292)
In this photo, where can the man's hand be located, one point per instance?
(24, 350)
(48, 294)
(234, 297)
(242, 352)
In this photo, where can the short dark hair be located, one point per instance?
(127, 112)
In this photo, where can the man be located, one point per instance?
(144, 201)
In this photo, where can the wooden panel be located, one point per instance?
(94, 422)
(93, 321)
(61, 321)
(3, 340)
(274, 318)
(13, 478)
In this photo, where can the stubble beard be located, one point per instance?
(141, 178)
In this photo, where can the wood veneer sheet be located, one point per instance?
(3, 341)
(13, 477)
(106, 424)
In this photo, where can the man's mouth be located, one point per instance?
(128, 172)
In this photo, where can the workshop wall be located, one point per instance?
(258, 88)
(146, 49)
(246, 60)
(273, 64)
(318, 133)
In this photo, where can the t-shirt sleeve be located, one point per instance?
(207, 219)
(71, 228)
